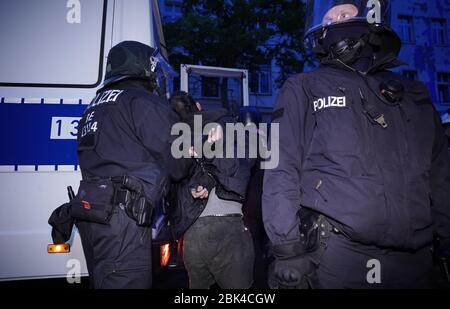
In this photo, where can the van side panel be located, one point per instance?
(38, 126)
(132, 21)
(38, 123)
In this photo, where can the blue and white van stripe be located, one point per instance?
(6, 100)
(11, 163)
(39, 168)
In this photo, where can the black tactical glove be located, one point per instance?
(290, 273)
(291, 268)
(62, 223)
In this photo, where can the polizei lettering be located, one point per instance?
(109, 96)
(329, 102)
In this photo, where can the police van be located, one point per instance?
(53, 58)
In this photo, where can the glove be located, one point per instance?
(291, 268)
(289, 273)
(62, 224)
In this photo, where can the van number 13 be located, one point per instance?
(64, 127)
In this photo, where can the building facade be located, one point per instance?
(423, 26)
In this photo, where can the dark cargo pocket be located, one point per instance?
(94, 202)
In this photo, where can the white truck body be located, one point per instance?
(53, 59)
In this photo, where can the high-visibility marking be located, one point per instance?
(32, 101)
(26, 168)
(7, 168)
(52, 101)
(39, 168)
(71, 101)
(66, 168)
(55, 101)
(12, 100)
(46, 168)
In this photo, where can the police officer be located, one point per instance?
(363, 181)
(124, 155)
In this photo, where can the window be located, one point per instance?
(410, 74)
(44, 42)
(443, 85)
(439, 31)
(406, 28)
(260, 81)
(210, 87)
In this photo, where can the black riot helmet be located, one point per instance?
(339, 29)
(132, 60)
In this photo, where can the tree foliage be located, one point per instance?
(239, 33)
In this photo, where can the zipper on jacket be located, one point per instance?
(405, 159)
(405, 120)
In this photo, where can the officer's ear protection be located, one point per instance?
(393, 91)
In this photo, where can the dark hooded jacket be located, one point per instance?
(229, 176)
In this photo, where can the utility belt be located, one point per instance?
(305, 256)
(97, 200)
(315, 229)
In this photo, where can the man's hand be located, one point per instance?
(215, 134)
(199, 192)
(193, 153)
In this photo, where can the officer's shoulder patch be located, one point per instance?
(278, 113)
